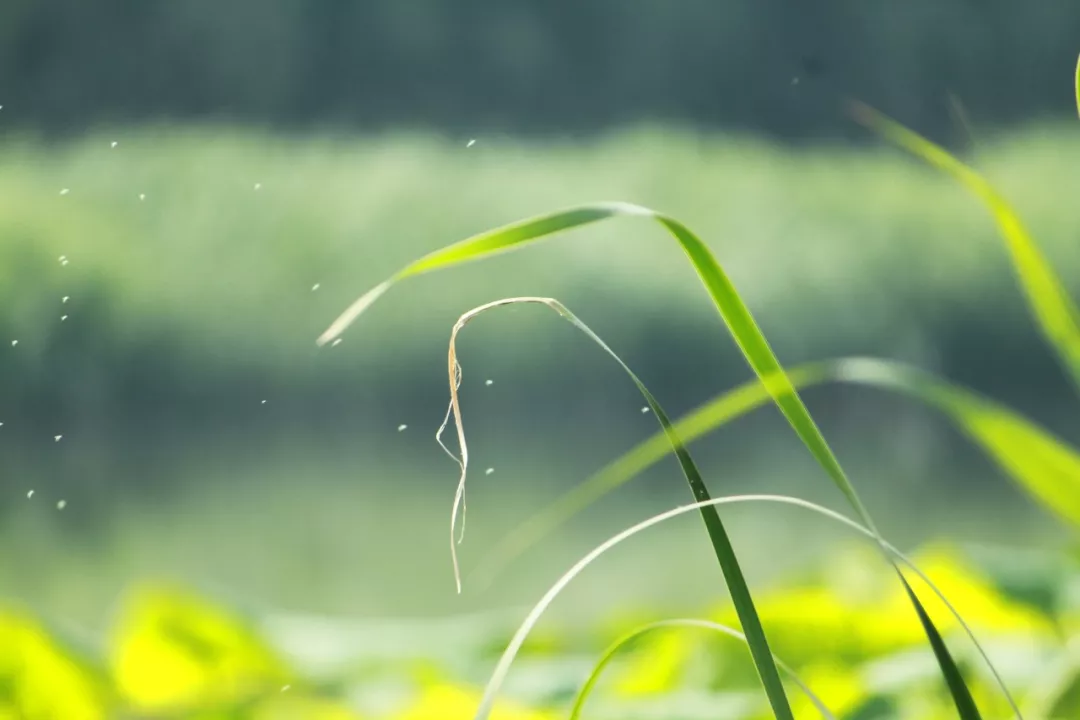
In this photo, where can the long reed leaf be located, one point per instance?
(734, 312)
(1055, 312)
(1041, 464)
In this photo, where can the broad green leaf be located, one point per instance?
(175, 652)
(1054, 311)
(764, 663)
(634, 635)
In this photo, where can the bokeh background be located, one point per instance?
(191, 191)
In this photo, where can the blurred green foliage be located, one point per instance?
(556, 65)
(847, 629)
(181, 274)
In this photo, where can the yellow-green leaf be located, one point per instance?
(173, 651)
(39, 679)
(1055, 312)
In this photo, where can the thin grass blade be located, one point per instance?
(502, 668)
(965, 703)
(734, 312)
(680, 623)
(1055, 312)
(1078, 86)
(1040, 464)
(756, 639)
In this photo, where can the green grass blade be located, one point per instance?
(1054, 311)
(1036, 460)
(732, 309)
(736, 582)
(736, 315)
(1042, 465)
(1078, 86)
(965, 703)
(616, 647)
(502, 668)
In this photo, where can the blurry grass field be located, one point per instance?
(210, 241)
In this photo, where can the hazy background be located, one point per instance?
(190, 191)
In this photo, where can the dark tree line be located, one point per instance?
(775, 66)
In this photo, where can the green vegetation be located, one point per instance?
(172, 654)
(524, 65)
(1054, 311)
(208, 277)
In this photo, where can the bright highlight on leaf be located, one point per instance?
(1078, 86)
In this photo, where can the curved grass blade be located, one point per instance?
(502, 668)
(1054, 311)
(1041, 464)
(736, 316)
(733, 311)
(725, 553)
(614, 649)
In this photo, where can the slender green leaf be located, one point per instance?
(740, 592)
(1041, 464)
(1054, 311)
(894, 556)
(740, 323)
(965, 703)
(616, 647)
(1078, 86)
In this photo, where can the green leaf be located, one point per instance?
(1054, 311)
(1078, 86)
(965, 704)
(891, 553)
(616, 647)
(740, 323)
(1041, 464)
(740, 592)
